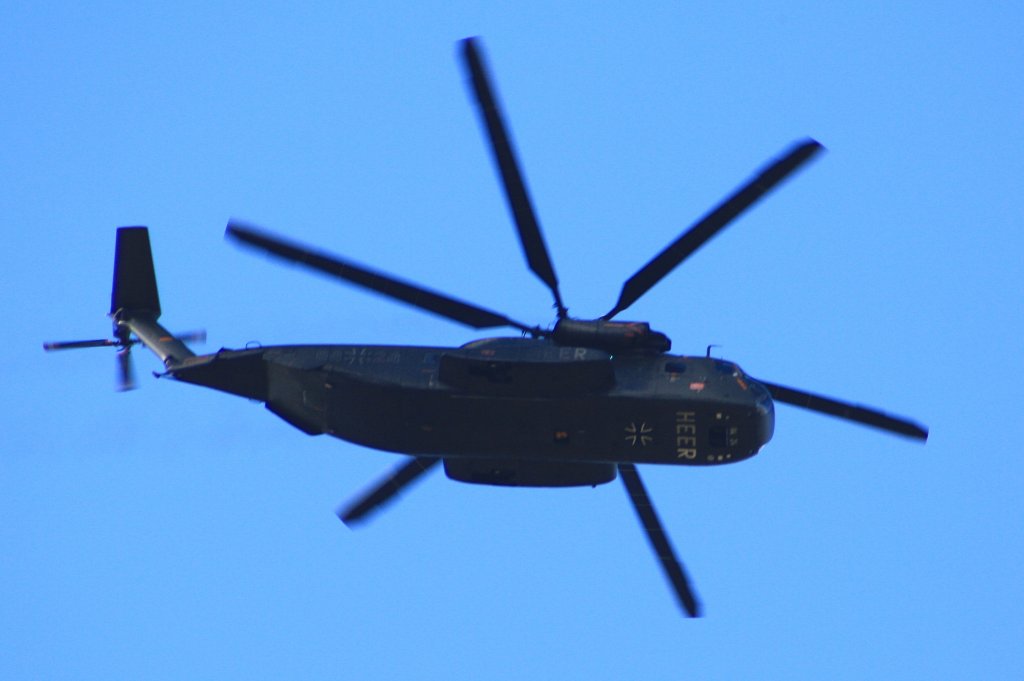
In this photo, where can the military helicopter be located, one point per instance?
(578, 403)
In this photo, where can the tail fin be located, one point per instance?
(134, 301)
(135, 307)
(134, 287)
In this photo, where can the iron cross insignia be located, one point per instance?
(639, 435)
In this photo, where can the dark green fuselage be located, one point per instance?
(504, 398)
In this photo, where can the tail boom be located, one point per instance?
(134, 301)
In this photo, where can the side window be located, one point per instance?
(675, 367)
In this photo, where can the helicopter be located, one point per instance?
(577, 403)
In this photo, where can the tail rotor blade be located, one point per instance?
(386, 489)
(192, 336)
(75, 345)
(126, 377)
(659, 540)
(712, 223)
(844, 410)
(515, 188)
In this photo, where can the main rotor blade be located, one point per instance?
(844, 410)
(712, 223)
(515, 189)
(411, 294)
(386, 489)
(659, 540)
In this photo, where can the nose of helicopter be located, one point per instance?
(760, 424)
(765, 411)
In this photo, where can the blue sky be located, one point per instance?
(174, 532)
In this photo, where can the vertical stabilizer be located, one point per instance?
(134, 308)
(134, 277)
(134, 302)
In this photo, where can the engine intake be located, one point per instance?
(611, 336)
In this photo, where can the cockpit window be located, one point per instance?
(726, 367)
(675, 367)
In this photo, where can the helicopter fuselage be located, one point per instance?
(578, 403)
(508, 408)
